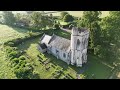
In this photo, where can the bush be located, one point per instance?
(36, 76)
(20, 73)
(23, 72)
(82, 76)
(10, 43)
(30, 33)
(56, 26)
(14, 54)
(22, 63)
(22, 58)
(9, 49)
(15, 60)
(68, 18)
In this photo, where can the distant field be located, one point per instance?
(79, 13)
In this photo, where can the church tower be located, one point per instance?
(79, 43)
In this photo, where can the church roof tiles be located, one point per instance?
(60, 43)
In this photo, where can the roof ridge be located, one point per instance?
(61, 37)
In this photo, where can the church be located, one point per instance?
(72, 51)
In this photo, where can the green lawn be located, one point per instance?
(97, 68)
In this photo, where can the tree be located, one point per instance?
(8, 17)
(91, 20)
(110, 27)
(40, 20)
(56, 26)
(22, 19)
(36, 20)
(68, 18)
(63, 14)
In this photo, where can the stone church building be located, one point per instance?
(72, 51)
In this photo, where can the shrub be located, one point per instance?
(15, 60)
(22, 62)
(36, 75)
(30, 33)
(82, 76)
(10, 43)
(14, 54)
(20, 73)
(9, 49)
(23, 72)
(22, 58)
(68, 18)
(56, 26)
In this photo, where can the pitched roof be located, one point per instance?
(60, 43)
(45, 39)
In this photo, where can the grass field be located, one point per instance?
(8, 33)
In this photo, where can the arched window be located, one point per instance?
(78, 43)
(64, 55)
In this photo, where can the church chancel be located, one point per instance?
(72, 51)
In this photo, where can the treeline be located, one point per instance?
(35, 20)
(31, 20)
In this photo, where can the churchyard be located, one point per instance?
(47, 66)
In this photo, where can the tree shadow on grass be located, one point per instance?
(25, 45)
(23, 29)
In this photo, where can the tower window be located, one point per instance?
(57, 51)
(64, 55)
(78, 42)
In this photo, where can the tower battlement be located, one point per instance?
(79, 31)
